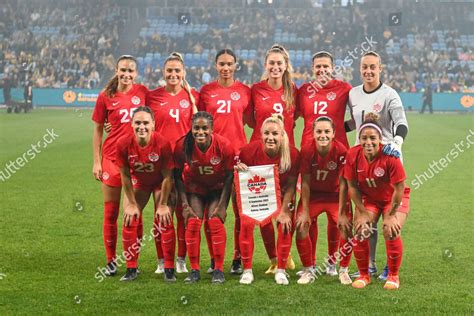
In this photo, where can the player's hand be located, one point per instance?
(240, 166)
(97, 171)
(163, 214)
(285, 221)
(362, 224)
(107, 127)
(344, 224)
(129, 213)
(219, 212)
(303, 221)
(394, 148)
(391, 223)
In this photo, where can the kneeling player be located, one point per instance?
(145, 160)
(322, 162)
(203, 175)
(376, 185)
(275, 149)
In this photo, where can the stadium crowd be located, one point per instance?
(71, 46)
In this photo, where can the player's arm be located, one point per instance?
(303, 219)
(400, 123)
(178, 180)
(284, 218)
(390, 222)
(163, 212)
(97, 149)
(221, 208)
(344, 224)
(132, 209)
(350, 124)
(361, 219)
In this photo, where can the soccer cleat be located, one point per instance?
(236, 267)
(372, 271)
(361, 282)
(193, 277)
(169, 275)
(344, 276)
(218, 277)
(393, 282)
(130, 275)
(160, 269)
(211, 268)
(331, 270)
(181, 265)
(290, 264)
(272, 269)
(281, 277)
(111, 269)
(307, 277)
(383, 276)
(246, 277)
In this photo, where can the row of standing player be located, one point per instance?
(231, 104)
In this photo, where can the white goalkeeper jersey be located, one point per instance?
(384, 101)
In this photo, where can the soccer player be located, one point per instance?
(276, 93)
(273, 148)
(115, 104)
(173, 106)
(145, 160)
(203, 175)
(227, 100)
(375, 96)
(324, 96)
(322, 162)
(376, 186)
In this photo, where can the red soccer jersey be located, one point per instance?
(253, 154)
(265, 102)
(325, 171)
(118, 111)
(207, 169)
(375, 179)
(145, 163)
(331, 100)
(173, 113)
(227, 106)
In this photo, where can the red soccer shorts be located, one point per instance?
(384, 207)
(110, 173)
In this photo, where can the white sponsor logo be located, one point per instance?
(264, 98)
(115, 103)
(214, 95)
(163, 103)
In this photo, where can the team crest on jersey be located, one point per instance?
(377, 107)
(332, 165)
(184, 104)
(136, 100)
(379, 172)
(105, 175)
(235, 96)
(331, 96)
(256, 184)
(215, 160)
(153, 157)
(134, 180)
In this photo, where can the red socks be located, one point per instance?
(246, 243)
(394, 254)
(111, 212)
(180, 232)
(131, 243)
(305, 250)
(345, 251)
(219, 238)
(284, 247)
(168, 244)
(236, 229)
(157, 235)
(207, 233)
(313, 235)
(333, 240)
(268, 236)
(361, 254)
(193, 241)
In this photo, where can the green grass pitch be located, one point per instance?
(51, 248)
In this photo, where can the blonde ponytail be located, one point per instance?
(285, 155)
(287, 79)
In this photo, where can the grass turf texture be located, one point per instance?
(51, 249)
